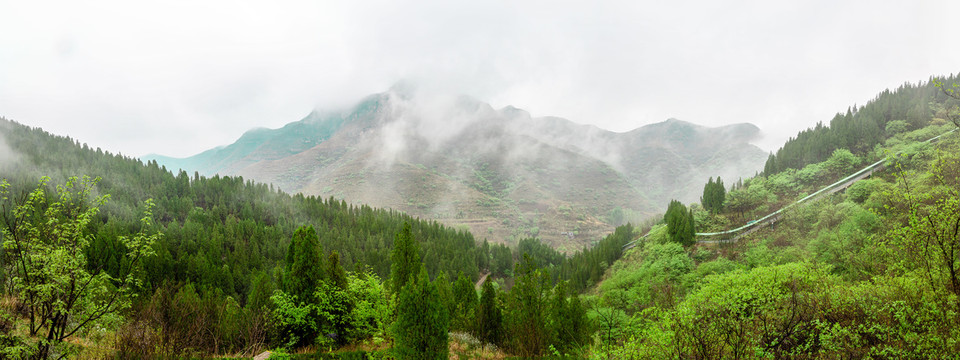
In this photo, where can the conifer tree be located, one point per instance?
(304, 268)
(405, 258)
(528, 309)
(569, 324)
(465, 297)
(334, 303)
(489, 316)
(422, 321)
(446, 294)
(714, 194)
(680, 223)
(335, 272)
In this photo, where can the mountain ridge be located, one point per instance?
(459, 160)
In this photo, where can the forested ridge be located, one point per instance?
(863, 129)
(206, 219)
(222, 248)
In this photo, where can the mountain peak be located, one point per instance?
(435, 153)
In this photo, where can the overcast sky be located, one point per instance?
(176, 78)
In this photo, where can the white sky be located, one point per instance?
(179, 77)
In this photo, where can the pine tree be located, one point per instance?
(714, 194)
(446, 294)
(465, 297)
(405, 258)
(569, 323)
(489, 316)
(422, 322)
(680, 223)
(528, 309)
(335, 272)
(304, 268)
(689, 233)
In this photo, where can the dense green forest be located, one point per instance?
(105, 256)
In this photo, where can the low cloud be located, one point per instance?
(8, 157)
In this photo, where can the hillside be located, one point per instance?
(868, 272)
(502, 174)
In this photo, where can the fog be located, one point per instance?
(8, 157)
(180, 77)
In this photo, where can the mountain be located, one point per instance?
(500, 173)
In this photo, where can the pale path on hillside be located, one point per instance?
(482, 279)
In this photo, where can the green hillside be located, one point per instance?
(865, 273)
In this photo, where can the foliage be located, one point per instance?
(445, 291)
(542, 254)
(931, 236)
(44, 239)
(570, 329)
(465, 300)
(304, 267)
(841, 162)
(371, 309)
(489, 315)
(297, 322)
(422, 322)
(680, 224)
(501, 260)
(527, 310)
(405, 259)
(865, 274)
(585, 268)
(895, 127)
(861, 128)
(714, 194)
(656, 281)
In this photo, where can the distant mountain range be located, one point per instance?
(502, 174)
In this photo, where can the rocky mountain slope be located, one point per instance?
(502, 174)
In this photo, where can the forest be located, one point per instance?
(105, 256)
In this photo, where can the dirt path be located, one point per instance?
(482, 279)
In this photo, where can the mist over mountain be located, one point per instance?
(500, 173)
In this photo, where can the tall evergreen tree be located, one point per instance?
(335, 272)
(528, 309)
(405, 258)
(465, 297)
(446, 294)
(489, 316)
(714, 194)
(422, 321)
(569, 324)
(304, 264)
(680, 223)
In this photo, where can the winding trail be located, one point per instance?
(480, 282)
